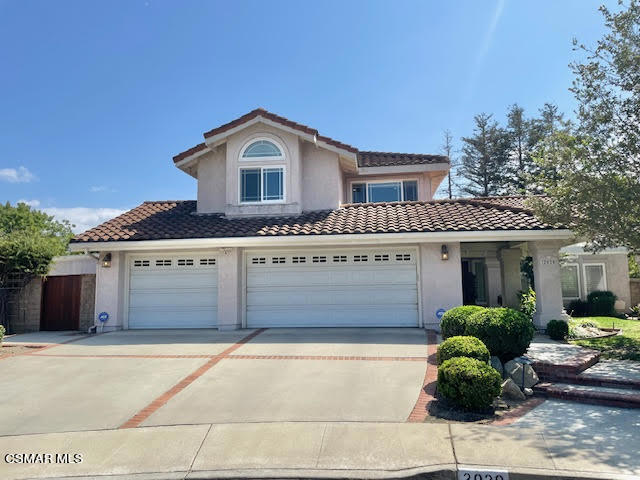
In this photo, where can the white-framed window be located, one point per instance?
(595, 277)
(570, 281)
(262, 184)
(384, 191)
(262, 149)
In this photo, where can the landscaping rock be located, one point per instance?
(513, 370)
(497, 364)
(528, 392)
(511, 390)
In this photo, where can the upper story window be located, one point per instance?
(396, 191)
(261, 184)
(262, 150)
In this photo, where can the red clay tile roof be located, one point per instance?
(365, 159)
(386, 159)
(178, 220)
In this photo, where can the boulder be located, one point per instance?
(528, 392)
(497, 364)
(511, 390)
(513, 370)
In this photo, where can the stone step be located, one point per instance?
(609, 396)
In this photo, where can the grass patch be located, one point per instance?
(625, 346)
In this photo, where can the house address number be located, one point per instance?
(468, 474)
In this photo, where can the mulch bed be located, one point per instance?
(442, 411)
(10, 350)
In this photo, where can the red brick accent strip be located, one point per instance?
(512, 415)
(428, 390)
(37, 347)
(569, 368)
(628, 399)
(143, 414)
(326, 357)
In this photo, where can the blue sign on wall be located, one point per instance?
(103, 316)
(440, 312)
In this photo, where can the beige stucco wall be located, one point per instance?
(24, 307)
(73, 265)
(212, 181)
(321, 178)
(616, 273)
(441, 281)
(230, 270)
(110, 292)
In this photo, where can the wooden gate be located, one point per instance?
(61, 303)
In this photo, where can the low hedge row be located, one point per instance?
(459, 346)
(468, 383)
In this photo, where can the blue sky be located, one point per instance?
(96, 97)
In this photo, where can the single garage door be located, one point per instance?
(173, 291)
(341, 288)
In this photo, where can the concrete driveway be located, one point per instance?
(169, 377)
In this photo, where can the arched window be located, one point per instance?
(261, 149)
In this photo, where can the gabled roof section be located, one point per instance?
(365, 158)
(179, 220)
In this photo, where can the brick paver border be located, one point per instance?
(512, 415)
(143, 414)
(428, 390)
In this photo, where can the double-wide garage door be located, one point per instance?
(337, 288)
(173, 291)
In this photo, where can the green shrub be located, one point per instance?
(557, 329)
(468, 383)
(2, 330)
(578, 308)
(528, 303)
(601, 303)
(507, 333)
(459, 346)
(454, 321)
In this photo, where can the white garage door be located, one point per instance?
(173, 291)
(341, 288)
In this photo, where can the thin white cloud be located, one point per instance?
(101, 188)
(83, 218)
(16, 175)
(32, 203)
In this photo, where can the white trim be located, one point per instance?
(183, 163)
(584, 275)
(389, 180)
(248, 143)
(262, 167)
(313, 240)
(578, 280)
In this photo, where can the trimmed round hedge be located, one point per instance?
(469, 383)
(557, 329)
(459, 346)
(507, 333)
(454, 321)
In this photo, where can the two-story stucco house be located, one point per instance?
(292, 228)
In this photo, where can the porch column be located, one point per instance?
(546, 274)
(440, 281)
(494, 280)
(511, 284)
(230, 289)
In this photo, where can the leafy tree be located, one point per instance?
(634, 267)
(29, 239)
(484, 158)
(592, 172)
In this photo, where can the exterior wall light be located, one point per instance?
(106, 261)
(444, 251)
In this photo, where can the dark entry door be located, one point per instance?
(61, 303)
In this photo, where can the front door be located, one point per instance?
(474, 290)
(61, 303)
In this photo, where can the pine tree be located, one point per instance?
(484, 159)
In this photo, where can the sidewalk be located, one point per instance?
(313, 450)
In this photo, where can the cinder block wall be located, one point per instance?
(87, 302)
(24, 307)
(634, 286)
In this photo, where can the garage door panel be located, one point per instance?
(172, 279)
(173, 291)
(332, 317)
(343, 288)
(349, 296)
